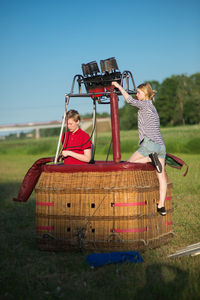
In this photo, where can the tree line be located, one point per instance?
(177, 101)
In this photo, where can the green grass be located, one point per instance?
(27, 273)
(184, 139)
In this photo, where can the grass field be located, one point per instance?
(27, 273)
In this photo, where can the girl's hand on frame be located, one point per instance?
(116, 84)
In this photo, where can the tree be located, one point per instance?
(128, 117)
(192, 105)
(177, 101)
(166, 101)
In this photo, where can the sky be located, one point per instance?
(43, 44)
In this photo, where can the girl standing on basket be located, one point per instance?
(151, 144)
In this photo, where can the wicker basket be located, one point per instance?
(101, 208)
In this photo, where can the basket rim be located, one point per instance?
(99, 166)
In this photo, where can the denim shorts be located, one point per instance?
(148, 146)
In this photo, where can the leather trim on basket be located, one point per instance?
(99, 166)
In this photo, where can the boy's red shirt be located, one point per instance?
(76, 142)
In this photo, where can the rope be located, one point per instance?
(109, 150)
(80, 233)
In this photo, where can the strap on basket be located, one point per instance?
(175, 162)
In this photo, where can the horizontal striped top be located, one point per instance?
(148, 120)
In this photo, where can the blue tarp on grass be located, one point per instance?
(100, 259)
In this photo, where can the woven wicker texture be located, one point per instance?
(101, 211)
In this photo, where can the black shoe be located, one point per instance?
(161, 210)
(155, 161)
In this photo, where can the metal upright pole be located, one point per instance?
(93, 126)
(115, 127)
(61, 131)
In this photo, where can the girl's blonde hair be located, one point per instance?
(73, 114)
(147, 89)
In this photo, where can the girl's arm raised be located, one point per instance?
(121, 89)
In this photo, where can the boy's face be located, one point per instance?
(72, 125)
(140, 95)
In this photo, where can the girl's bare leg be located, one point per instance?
(162, 184)
(138, 158)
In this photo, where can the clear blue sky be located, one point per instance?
(44, 42)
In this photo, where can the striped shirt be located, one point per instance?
(148, 120)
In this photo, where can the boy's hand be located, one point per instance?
(60, 158)
(65, 153)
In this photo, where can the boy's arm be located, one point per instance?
(85, 157)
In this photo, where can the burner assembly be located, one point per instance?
(98, 83)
